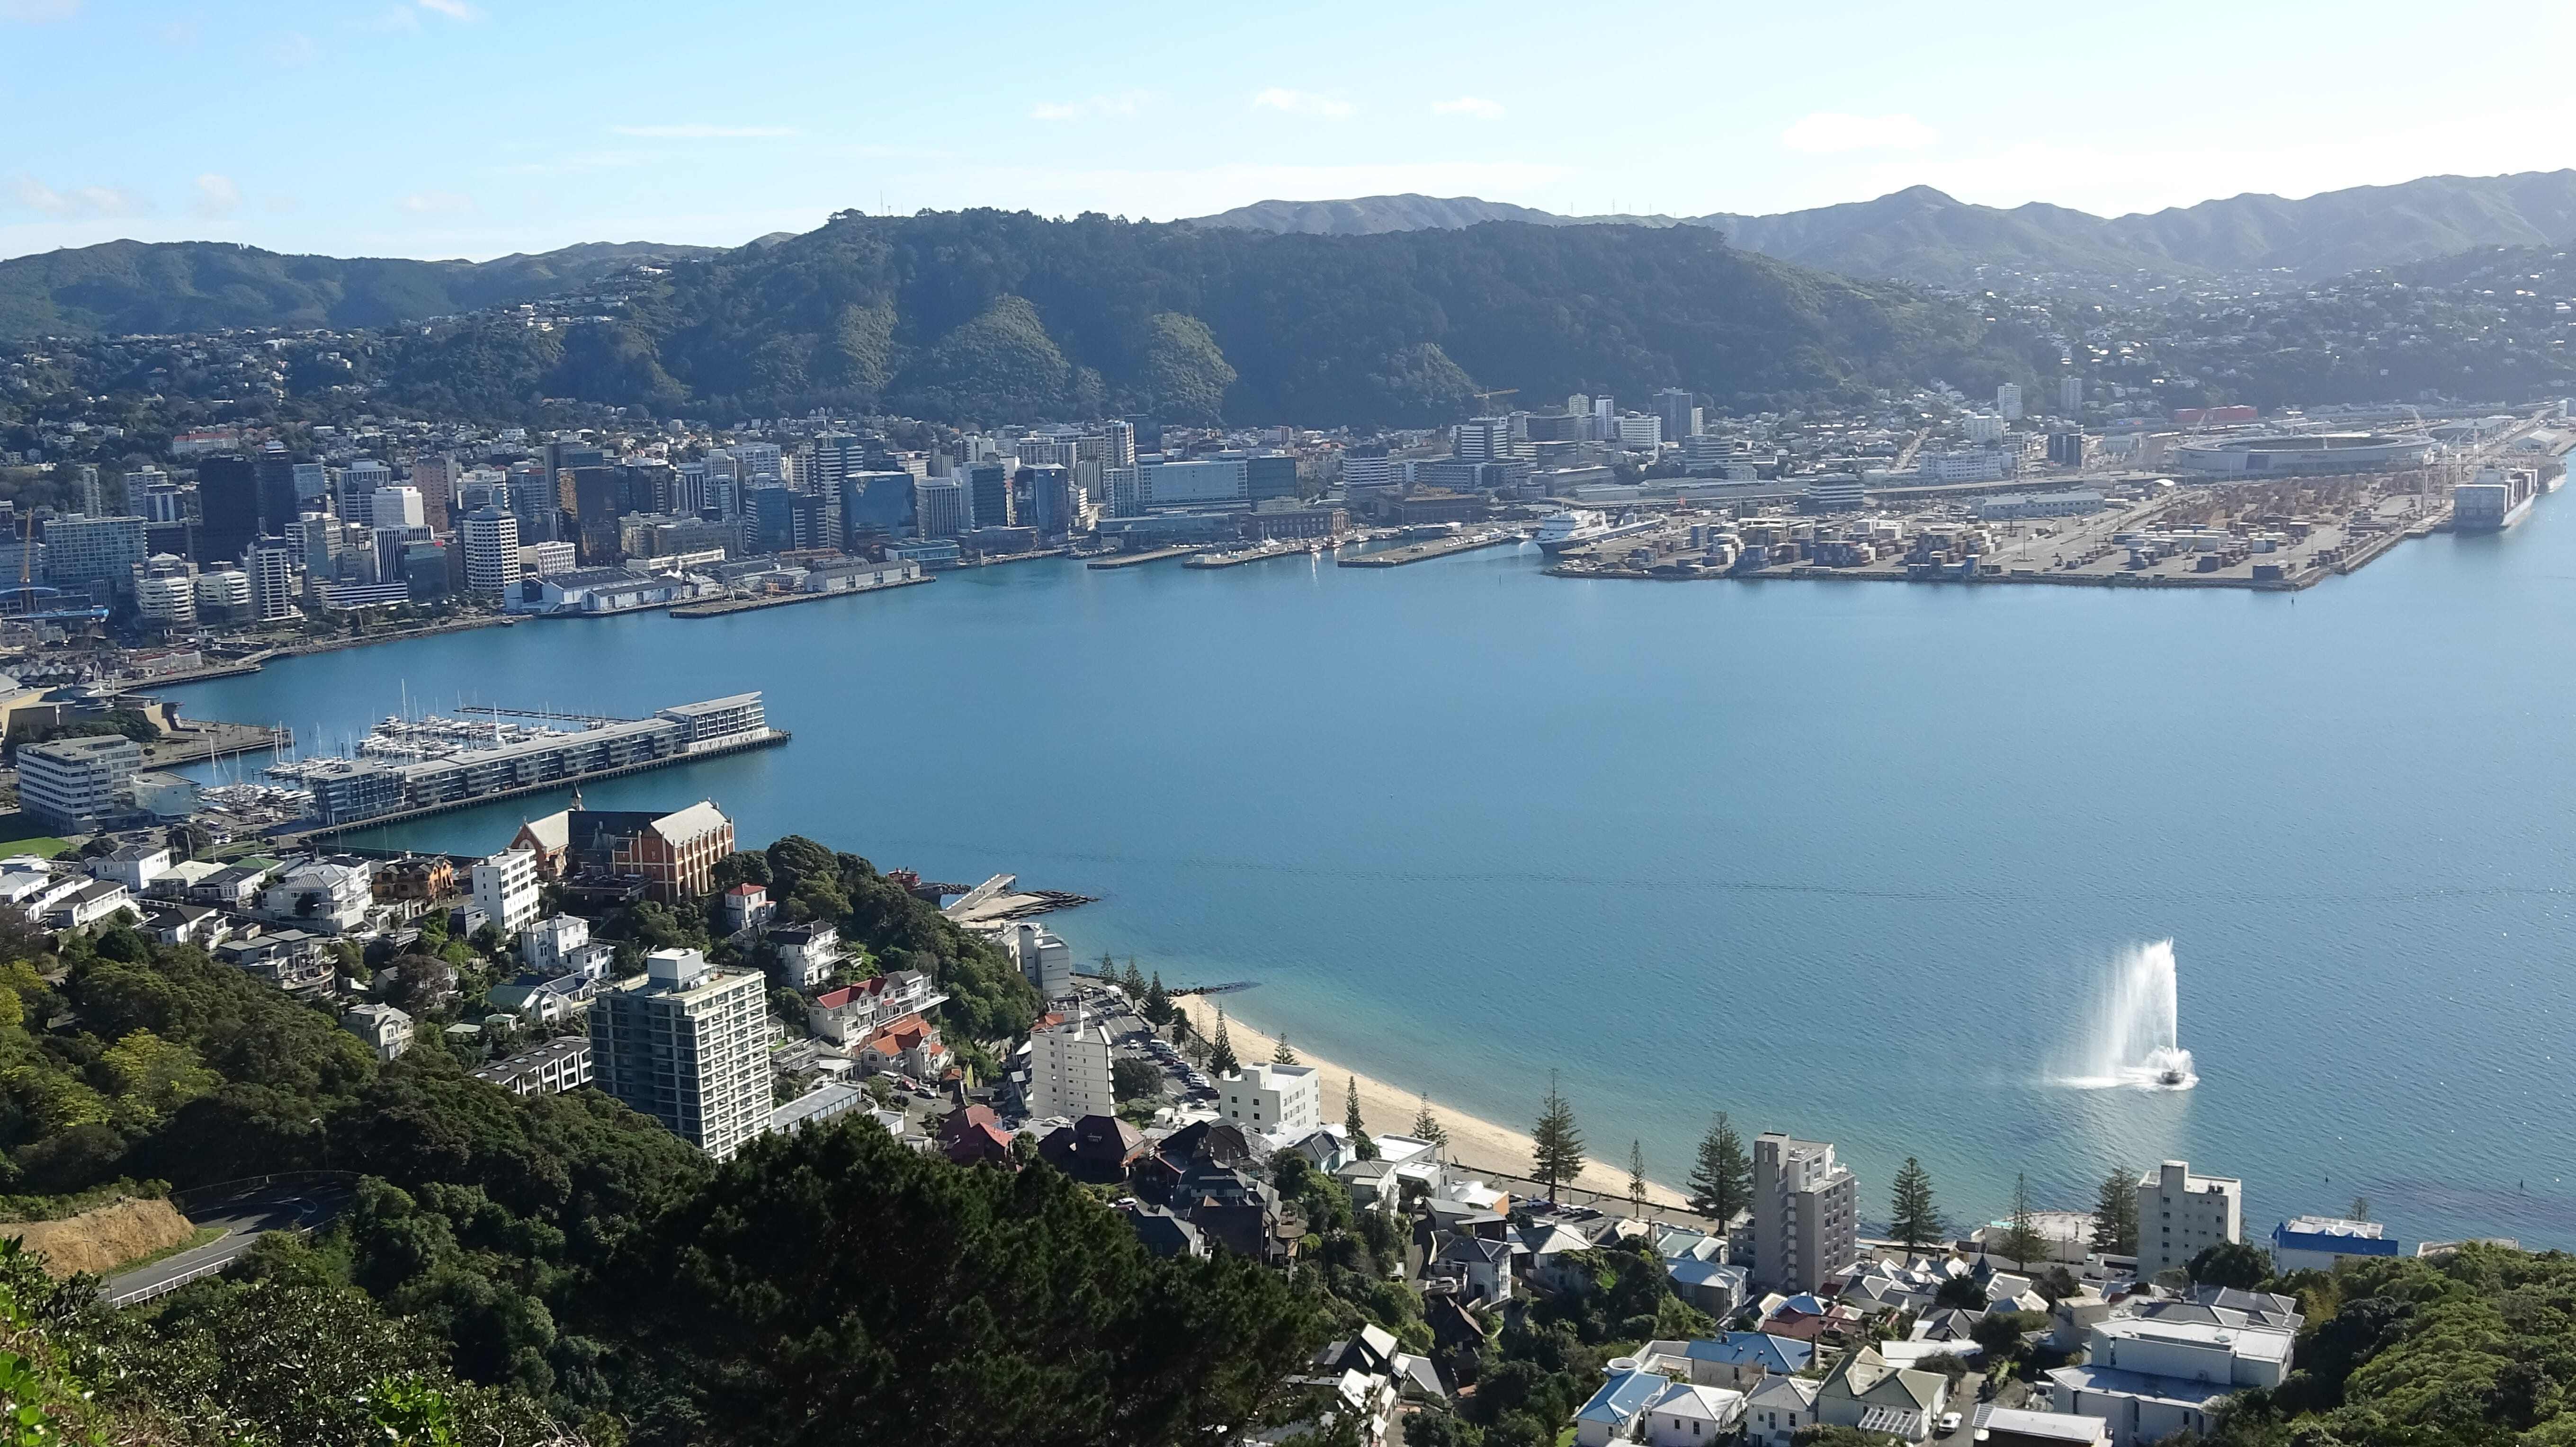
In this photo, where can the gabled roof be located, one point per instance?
(1621, 1398)
(1715, 1405)
(1871, 1380)
(1798, 1393)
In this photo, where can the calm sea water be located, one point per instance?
(1843, 859)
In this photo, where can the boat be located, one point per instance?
(2495, 501)
(1575, 527)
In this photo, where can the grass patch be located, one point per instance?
(203, 1235)
(13, 829)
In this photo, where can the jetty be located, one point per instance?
(717, 608)
(1424, 552)
(1138, 560)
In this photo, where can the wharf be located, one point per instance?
(1138, 560)
(723, 606)
(198, 741)
(770, 739)
(1299, 549)
(1425, 552)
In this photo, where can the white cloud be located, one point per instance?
(217, 197)
(1124, 103)
(36, 12)
(437, 203)
(1469, 105)
(80, 201)
(1303, 103)
(704, 132)
(452, 9)
(1829, 132)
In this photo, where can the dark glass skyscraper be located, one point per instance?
(228, 503)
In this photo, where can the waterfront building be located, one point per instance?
(686, 1045)
(491, 541)
(506, 890)
(675, 854)
(1069, 1071)
(939, 506)
(224, 594)
(1805, 1226)
(2181, 1215)
(1155, 485)
(269, 564)
(82, 551)
(72, 786)
(2323, 1243)
(1045, 960)
(542, 559)
(876, 505)
(1274, 1098)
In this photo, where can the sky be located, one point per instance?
(476, 128)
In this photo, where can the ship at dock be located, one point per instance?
(2496, 499)
(1575, 527)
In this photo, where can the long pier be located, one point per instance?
(722, 606)
(1425, 552)
(1138, 560)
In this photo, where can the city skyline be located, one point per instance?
(479, 129)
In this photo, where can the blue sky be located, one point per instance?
(480, 127)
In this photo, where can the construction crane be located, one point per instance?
(1498, 392)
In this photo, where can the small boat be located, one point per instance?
(2169, 1076)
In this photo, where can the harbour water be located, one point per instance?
(1849, 861)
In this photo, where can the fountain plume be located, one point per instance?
(2133, 1039)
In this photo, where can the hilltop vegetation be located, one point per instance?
(124, 287)
(987, 316)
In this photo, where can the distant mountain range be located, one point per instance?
(203, 286)
(1923, 235)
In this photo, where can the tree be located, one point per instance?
(1636, 1177)
(1556, 1155)
(1221, 1059)
(1721, 1183)
(1912, 1219)
(1280, 1054)
(1427, 1127)
(2021, 1242)
(1134, 1079)
(2115, 1214)
(2000, 1333)
(1158, 1003)
(2240, 1264)
(1361, 1140)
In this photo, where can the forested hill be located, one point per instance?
(993, 316)
(124, 287)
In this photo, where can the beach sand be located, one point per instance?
(1480, 1146)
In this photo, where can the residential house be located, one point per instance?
(386, 1030)
(747, 907)
(1238, 1210)
(1778, 1409)
(1866, 1391)
(1481, 1266)
(1372, 1185)
(824, 1102)
(1688, 1415)
(1712, 1286)
(561, 945)
(185, 924)
(972, 1135)
(234, 888)
(908, 1046)
(847, 1015)
(1611, 1416)
(331, 895)
(1099, 1149)
(1162, 1233)
(1376, 1352)
(2012, 1427)
(807, 955)
(558, 1065)
(90, 903)
(422, 877)
(135, 866)
(291, 959)
(2150, 1377)
(1739, 1360)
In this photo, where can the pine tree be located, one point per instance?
(1361, 1140)
(1556, 1156)
(1427, 1127)
(1280, 1054)
(1132, 980)
(2022, 1243)
(1721, 1182)
(1636, 1177)
(2115, 1215)
(1221, 1059)
(1911, 1216)
(1158, 1003)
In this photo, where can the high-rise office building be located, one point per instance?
(875, 505)
(688, 1046)
(165, 591)
(1118, 443)
(358, 483)
(312, 486)
(491, 541)
(228, 504)
(988, 495)
(84, 552)
(398, 507)
(1805, 1223)
(1483, 439)
(1050, 495)
(1679, 407)
(2070, 396)
(93, 492)
(2008, 401)
(278, 508)
(72, 784)
(319, 536)
(939, 507)
(435, 475)
(270, 564)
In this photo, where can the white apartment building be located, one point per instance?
(1640, 433)
(1983, 427)
(71, 785)
(1805, 1226)
(491, 541)
(538, 560)
(1274, 1097)
(2150, 1378)
(687, 1045)
(555, 945)
(2008, 401)
(270, 569)
(506, 890)
(226, 591)
(1046, 960)
(1069, 1071)
(2181, 1215)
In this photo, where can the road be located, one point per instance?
(243, 1218)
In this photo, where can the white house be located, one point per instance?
(1778, 1409)
(1273, 1097)
(135, 866)
(1687, 1415)
(2151, 1377)
(386, 1030)
(87, 904)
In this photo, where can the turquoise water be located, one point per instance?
(1842, 859)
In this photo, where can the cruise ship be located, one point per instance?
(1576, 526)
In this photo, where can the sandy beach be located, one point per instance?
(1478, 1145)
